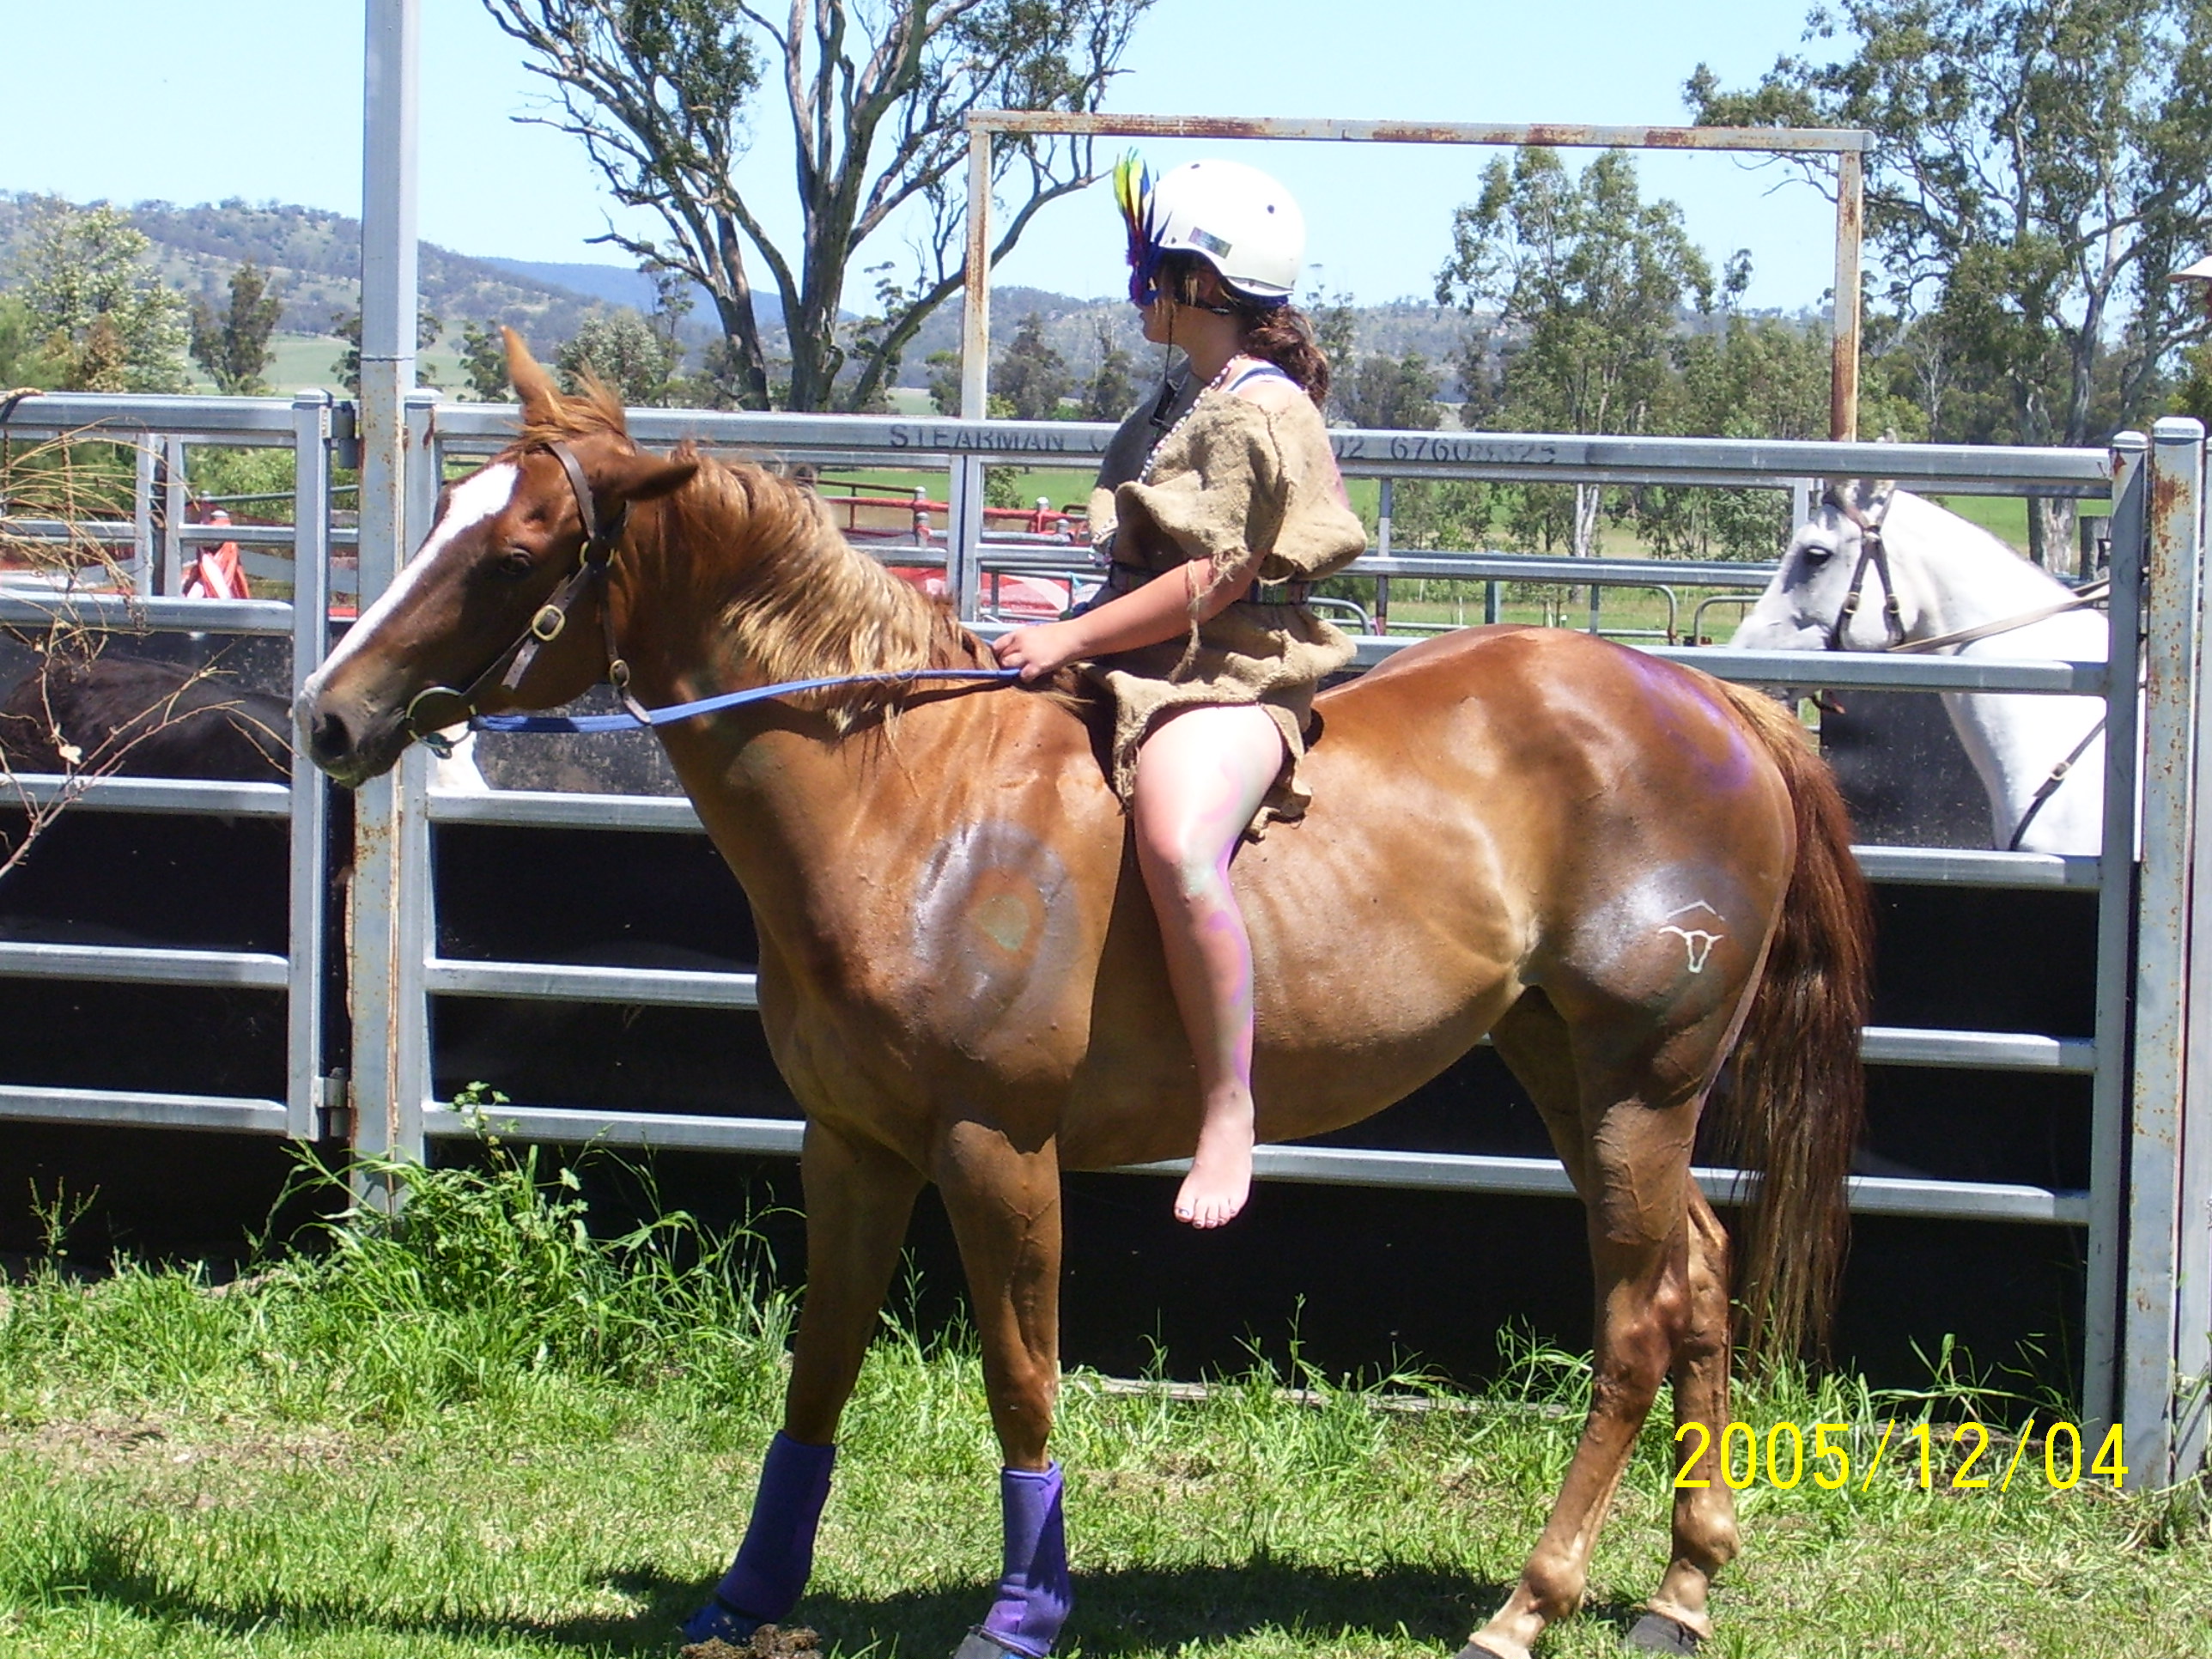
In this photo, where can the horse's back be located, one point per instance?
(148, 720)
(1592, 798)
(1538, 730)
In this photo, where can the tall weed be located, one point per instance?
(487, 1289)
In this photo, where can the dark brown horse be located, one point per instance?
(1622, 871)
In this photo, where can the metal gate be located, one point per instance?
(2149, 1060)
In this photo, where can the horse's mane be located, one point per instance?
(594, 410)
(806, 604)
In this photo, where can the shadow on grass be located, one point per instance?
(1144, 1610)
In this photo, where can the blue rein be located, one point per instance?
(634, 718)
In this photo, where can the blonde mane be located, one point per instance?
(593, 410)
(806, 604)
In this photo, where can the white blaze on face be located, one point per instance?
(475, 498)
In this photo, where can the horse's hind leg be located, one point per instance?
(1631, 1161)
(1003, 1198)
(1704, 1516)
(858, 1198)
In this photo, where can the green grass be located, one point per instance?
(491, 1435)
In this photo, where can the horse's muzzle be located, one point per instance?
(348, 744)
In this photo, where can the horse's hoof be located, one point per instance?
(1656, 1632)
(980, 1643)
(718, 1621)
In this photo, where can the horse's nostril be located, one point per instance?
(328, 739)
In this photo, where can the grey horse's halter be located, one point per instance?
(1871, 552)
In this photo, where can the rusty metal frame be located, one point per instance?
(1848, 144)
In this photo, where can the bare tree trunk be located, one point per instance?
(2051, 531)
(1587, 497)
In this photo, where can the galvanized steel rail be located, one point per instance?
(309, 426)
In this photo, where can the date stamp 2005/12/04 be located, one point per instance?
(1791, 1454)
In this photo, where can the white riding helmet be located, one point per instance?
(1235, 218)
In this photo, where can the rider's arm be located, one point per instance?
(1160, 610)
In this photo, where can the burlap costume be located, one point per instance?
(1257, 492)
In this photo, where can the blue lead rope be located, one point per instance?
(634, 718)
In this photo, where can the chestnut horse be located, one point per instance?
(1623, 870)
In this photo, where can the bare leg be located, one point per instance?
(1201, 776)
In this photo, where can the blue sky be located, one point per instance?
(261, 99)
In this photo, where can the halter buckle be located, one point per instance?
(545, 627)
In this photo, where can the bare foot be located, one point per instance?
(1220, 1177)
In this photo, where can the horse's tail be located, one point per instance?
(1792, 1109)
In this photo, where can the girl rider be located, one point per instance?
(1219, 501)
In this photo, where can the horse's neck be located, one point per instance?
(1964, 575)
(1965, 578)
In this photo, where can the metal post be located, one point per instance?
(411, 928)
(144, 554)
(2193, 1306)
(2116, 902)
(174, 501)
(1843, 361)
(1385, 508)
(1800, 502)
(2150, 1358)
(963, 527)
(387, 370)
(311, 546)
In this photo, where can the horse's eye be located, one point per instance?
(517, 563)
(1817, 553)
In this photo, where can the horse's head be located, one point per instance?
(1834, 589)
(501, 607)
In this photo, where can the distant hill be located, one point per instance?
(313, 257)
(625, 285)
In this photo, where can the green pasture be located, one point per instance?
(490, 1434)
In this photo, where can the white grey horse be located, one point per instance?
(1921, 573)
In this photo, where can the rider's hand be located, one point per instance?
(1039, 650)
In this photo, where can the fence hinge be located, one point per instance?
(336, 1105)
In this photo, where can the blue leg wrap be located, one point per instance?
(1034, 1594)
(764, 1584)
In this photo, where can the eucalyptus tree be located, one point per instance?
(2040, 169)
(95, 305)
(232, 343)
(876, 94)
(1580, 286)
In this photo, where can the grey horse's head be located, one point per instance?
(1805, 606)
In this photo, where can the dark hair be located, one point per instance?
(1280, 333)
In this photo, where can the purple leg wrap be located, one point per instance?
(1033, 1596)
(765, 1581)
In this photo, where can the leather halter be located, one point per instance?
(545, 626)
(1871, 552)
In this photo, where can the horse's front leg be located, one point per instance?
(1003, 1197)
(858, 1198)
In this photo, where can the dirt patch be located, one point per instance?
(768, 1642)
(110, 1440)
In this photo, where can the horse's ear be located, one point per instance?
(532, 384)
(636, 477)
(1868, 498)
